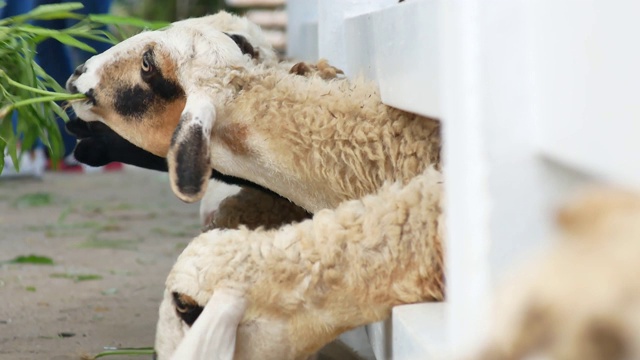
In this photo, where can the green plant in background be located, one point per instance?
(24, 85)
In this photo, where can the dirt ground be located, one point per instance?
(112, 237)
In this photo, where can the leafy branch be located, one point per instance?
(27, 89)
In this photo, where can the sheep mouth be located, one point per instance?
(91, 98)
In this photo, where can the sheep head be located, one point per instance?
(145, 85)
(223, 325)
(209, 308)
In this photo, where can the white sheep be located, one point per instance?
(580, 300)
(292, 290)
(321, 144)
(190, 76)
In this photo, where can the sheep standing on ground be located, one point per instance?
(322, 145)
(581, 300)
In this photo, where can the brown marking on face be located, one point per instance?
(142, 107)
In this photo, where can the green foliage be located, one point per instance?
(172, 10)
(24, 85)
(33, 200)
(31, 259)
(76, 277)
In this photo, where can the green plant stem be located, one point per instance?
(122, 352)
(32, 89)
(59, 97)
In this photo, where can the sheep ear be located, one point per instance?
(189, 153)
(213, 335)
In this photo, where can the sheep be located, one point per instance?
(580, 299)
(99, 145)
(368, 173)
(229, 206)
(284, 293)
(349, 142)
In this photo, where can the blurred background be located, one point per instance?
(269, 14)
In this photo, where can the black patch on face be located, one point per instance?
(161, 86)
(188, 312)
(192, 162)
(166, 89)
(244, 45)
(183, 118)
(133, 101)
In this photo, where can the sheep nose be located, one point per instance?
(71, 88)
(80, 70)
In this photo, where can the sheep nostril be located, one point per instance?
(80, 70)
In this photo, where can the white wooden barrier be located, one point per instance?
(536, 96)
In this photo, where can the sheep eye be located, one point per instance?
(182, 305)
(188, 310)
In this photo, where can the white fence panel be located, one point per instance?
(586, 84)
(536, 96)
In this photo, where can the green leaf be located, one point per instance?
(31, 259)
(123, 20)
(36, 199)
(76, 277)
(71, 41)
(51, 12)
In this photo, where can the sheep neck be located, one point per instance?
(318, 142)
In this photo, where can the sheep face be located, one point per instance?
(222, 326)
(142, 84)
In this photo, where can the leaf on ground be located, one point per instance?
(76, 277)
(31, 259)
(172, 232)
(33, 200)
(115, 244)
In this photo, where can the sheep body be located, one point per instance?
(313, 141)
(232, 206)
(308, 282)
